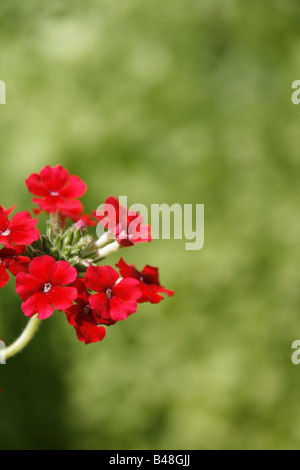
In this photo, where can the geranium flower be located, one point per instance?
(43, 289)
(12, 261)
(57, 191)
(148, 280)
(115, 299)
(126, 226)
(19, 231)
(81, 316)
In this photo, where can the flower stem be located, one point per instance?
(54, 219)
(23, 340)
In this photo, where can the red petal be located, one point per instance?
(42, 268)
(73, 206)
(25, 238)
(18, 264)
(54, 178)
(100, 278)
(75, 312)
(27, 285)
(47, 204)
(127, 270)
(142, 234)
(112, 214)
(4, 277)
(10, 210)
(88, 332)
(150, 293)
(127, 289)
(30, 306)
(93, 279)
(109, 275)
(150, 275)
(82, 292)
(62, 297)
(37, 304)
(35, 185)
(64, 274)
(112, 208)
(16, 251)
(74, 188)
(163, 290)
(6, 241)
(66, 207)
(22, 229)
(4, 222)
(22, 221)
(100, 304)
(120, 309)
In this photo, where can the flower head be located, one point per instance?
(126, 226)
(44, 287)
(148, 282)
(19, 231)
(57, 191)
(115, 299)
(60, 271)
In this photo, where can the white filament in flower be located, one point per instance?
(5, 234)
(47, 287)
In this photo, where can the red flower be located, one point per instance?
(82, 316)
(43, 289)
(12, 261)
(126, 226)
(19, 231)
(57, 191)
(148, 280)
(116, 299)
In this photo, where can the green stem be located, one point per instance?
(23, 340)
(54, 218)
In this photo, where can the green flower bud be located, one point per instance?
(55, 253)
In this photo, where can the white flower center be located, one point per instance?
(86, 310)
(108, 293)
(54, 193)
(5, 234)
(47, 287)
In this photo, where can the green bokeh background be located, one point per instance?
(165, 102)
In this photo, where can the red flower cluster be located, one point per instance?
(59, 271)
(114, 301)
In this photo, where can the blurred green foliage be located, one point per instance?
(165, 102)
